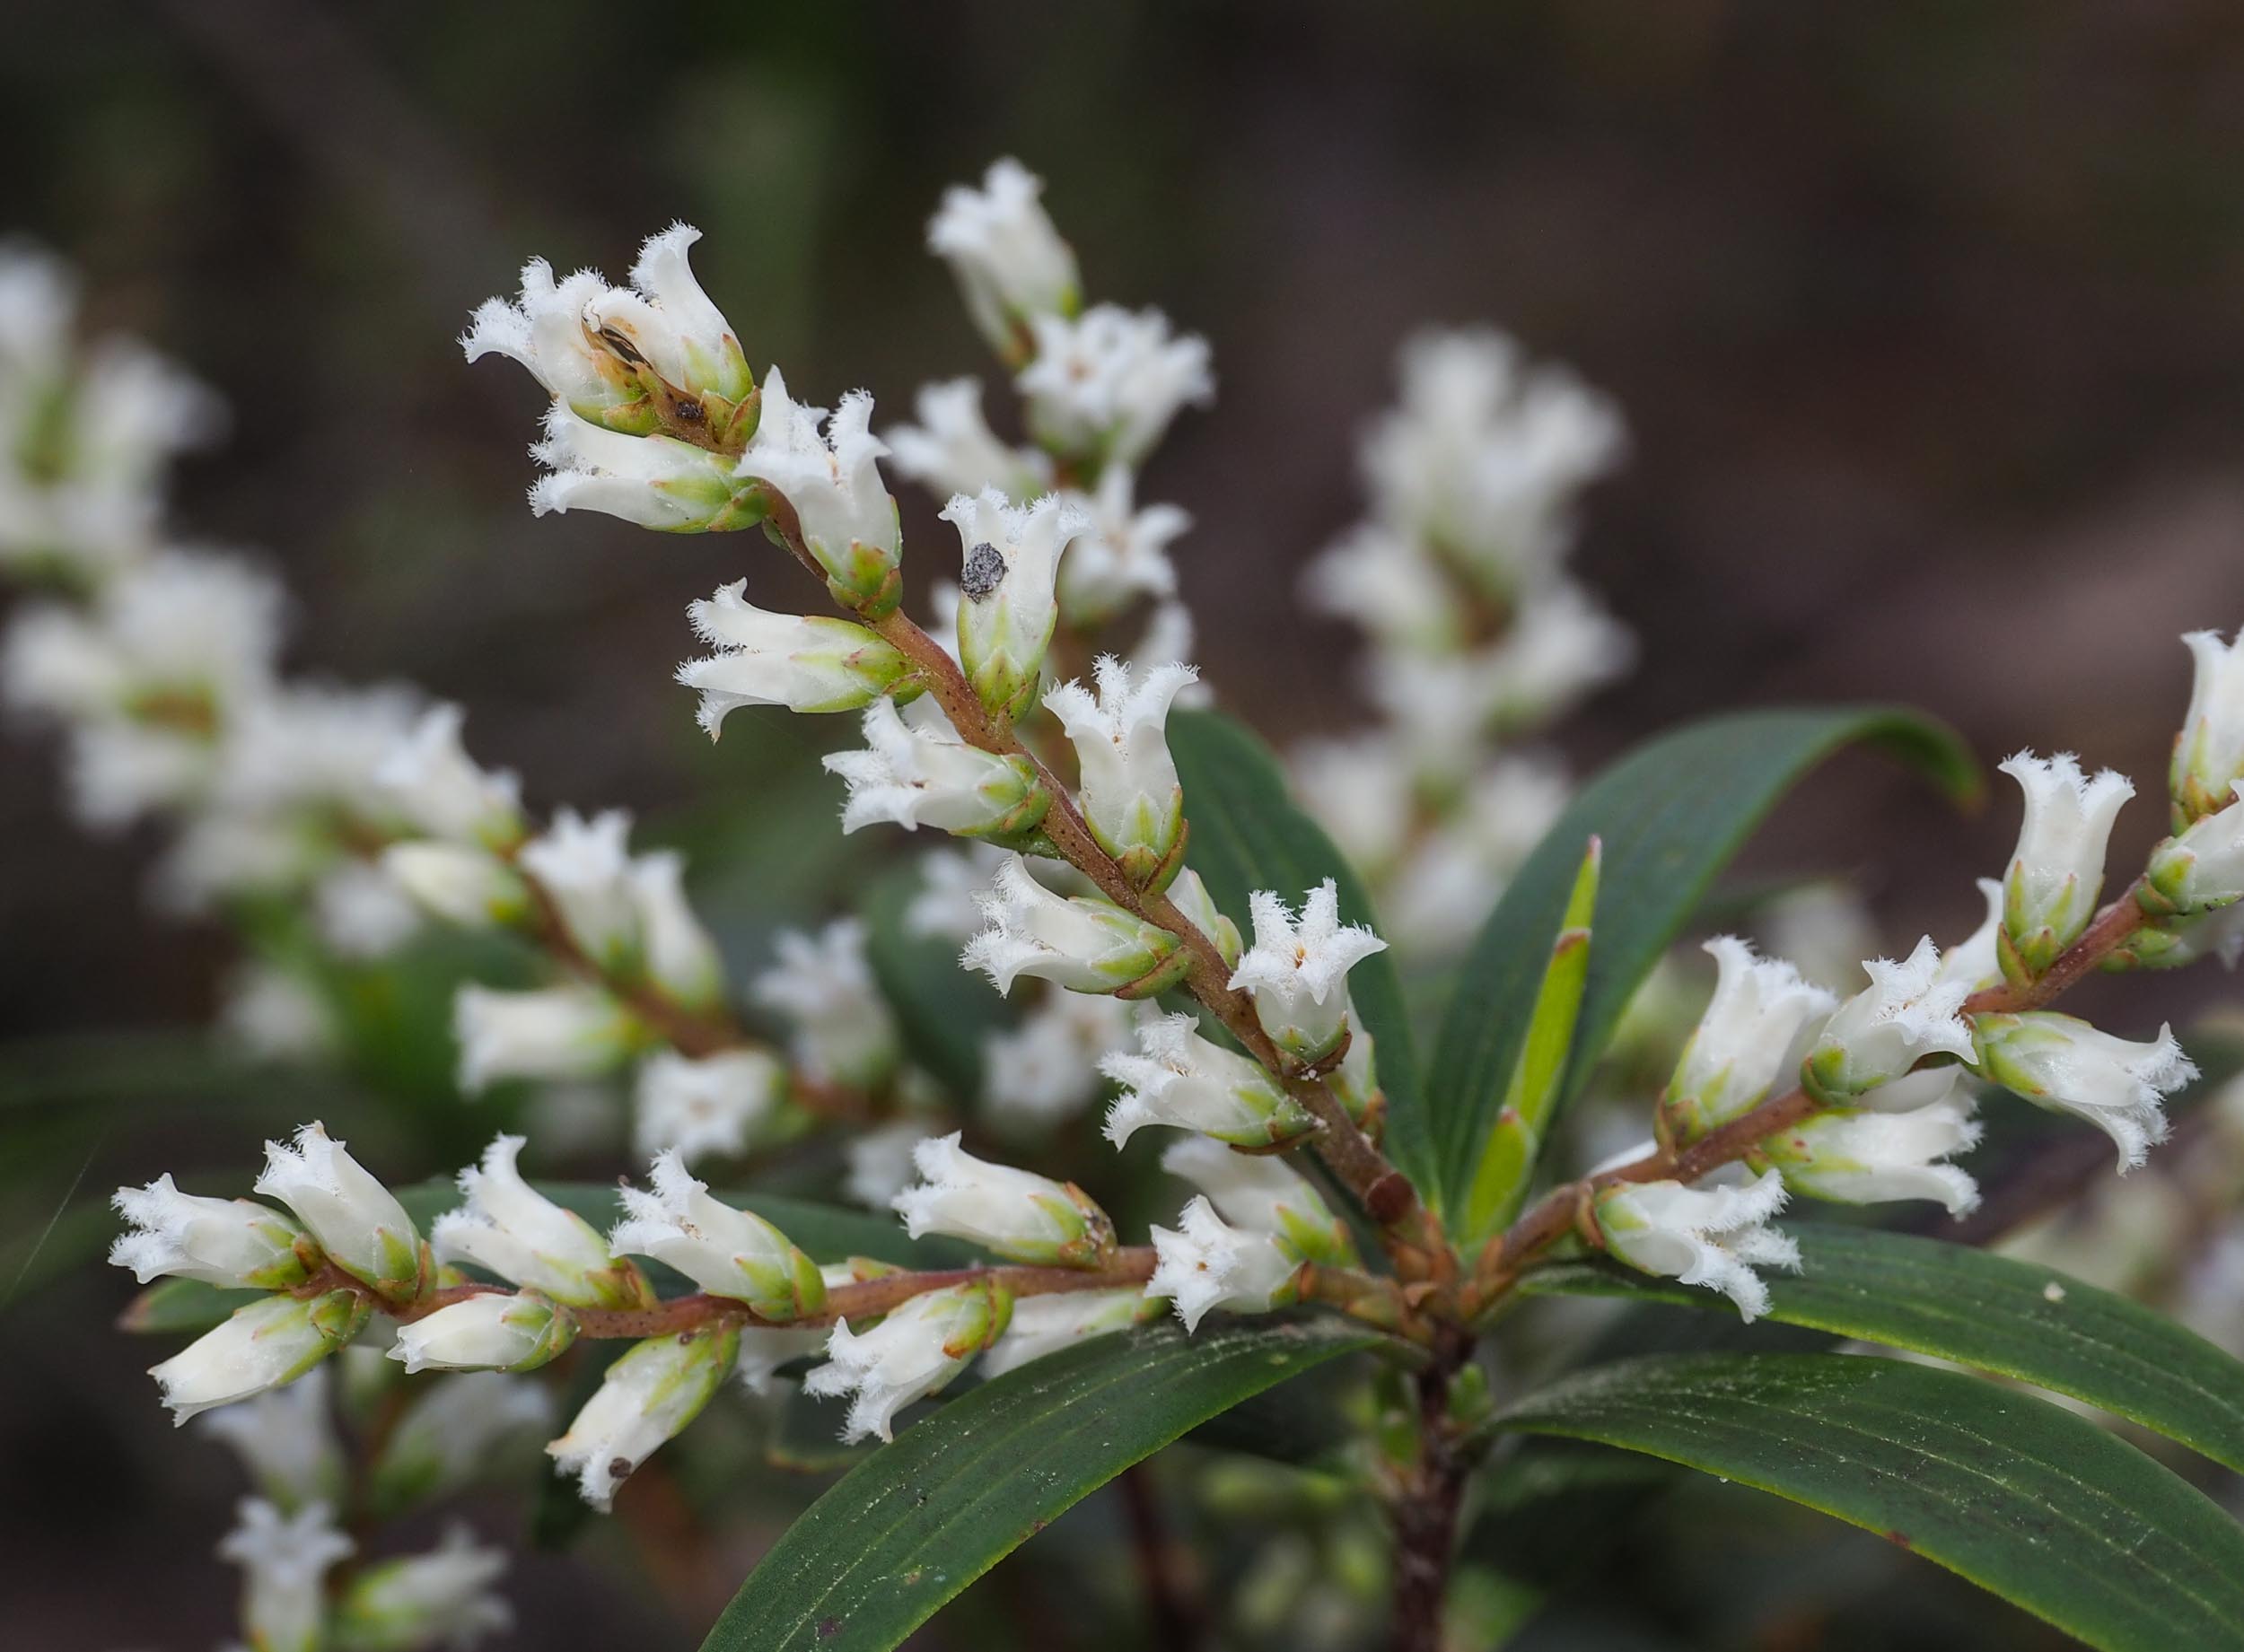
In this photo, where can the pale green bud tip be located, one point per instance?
(1027, 1218)
(491, 1330)
(262, 1346)
(914, 1352)
(2200, 869)
(727, 1252)
(804, 663)
(1181, 1080)
(232, 1243)
(357, 1221)
(1082, 944)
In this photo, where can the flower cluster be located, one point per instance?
(1478, 635)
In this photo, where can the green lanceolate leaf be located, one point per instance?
(1507, 1160)
(2025, 1499)
(2015, 1318)
(1247, 833)
(1671, 814)
(173, 1306)
(908, 1529)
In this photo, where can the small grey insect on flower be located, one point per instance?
(985, 568)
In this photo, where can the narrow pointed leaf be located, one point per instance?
(1249, 833)
(2025, 1499)
(912, 1526)
(175, 1306)
(2016, 1318)
(1671, 814)
(1507, 1161)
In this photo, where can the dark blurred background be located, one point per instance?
(1928, 320)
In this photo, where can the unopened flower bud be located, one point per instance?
(509, 1228)
(441, 1598)
(1261, 1193)
(285, 1560)
(470, 887)
(429, 778)
(491, 1330)
(832, 482)
(236, 1244)
(1713, 1237)
(2202, 868)
(647, 1397)
(727, 1252)
(915, 771)
(1010, 264)
(2209, 751)
(1905, 1014)
(1297, 970)
(569, 1031)
(919, 1347)
(358, 1221)
(262, 1346)
(1205, 1263)
(1858, 1156)
(1045, 1324)
(657, 482)
(1131, 797)
(1027, 1218)
(1739, 1048)
(1008, 602)
(1182, 1080)
(1105, 385)
(1083, 944)
(2049, 893)
(714, 1105)
(806, 663)
(1190, 895)
(2063, 1063)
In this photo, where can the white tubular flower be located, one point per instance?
(1107, 383)
(2209, 752)
(441, 1598)
(1907, 1013)
(1181, 1080)
(1738, 1050)
(676, 953)
(1131, 797)
(1047, 1069)
(1010, 264)
(569, 1031)
(262, 1346)
(2049, 893)
(1976, 961)
(456, 1433)
(1123, 557)
(492, 1331)
(286, 1441)
(715, 1105)
(1188, 895)
(456, 884)
(1019, 1215)
(1865, 1157)
(2202, 867)
(806, 663)
(2060, 1063)
(954, 451)
(1205, 1263)
(1261, 1193)
(763, 1348)
(237, 1243)
(285, 1560)
(358, 1221)
(1008, 583)
(314, 746)
(544, 331)
(584, 866)
(727, 1252)
(916, 772)
(669, 323)
(1298, 969)
(844, 1031)
(429, 778)
(648, 1396)
(1082, 944)
(509, 1228)
(915, 1351)
(880, 1163)
(833, 482)
(1713, 1237)
(657, 482)
(1045, 1324)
